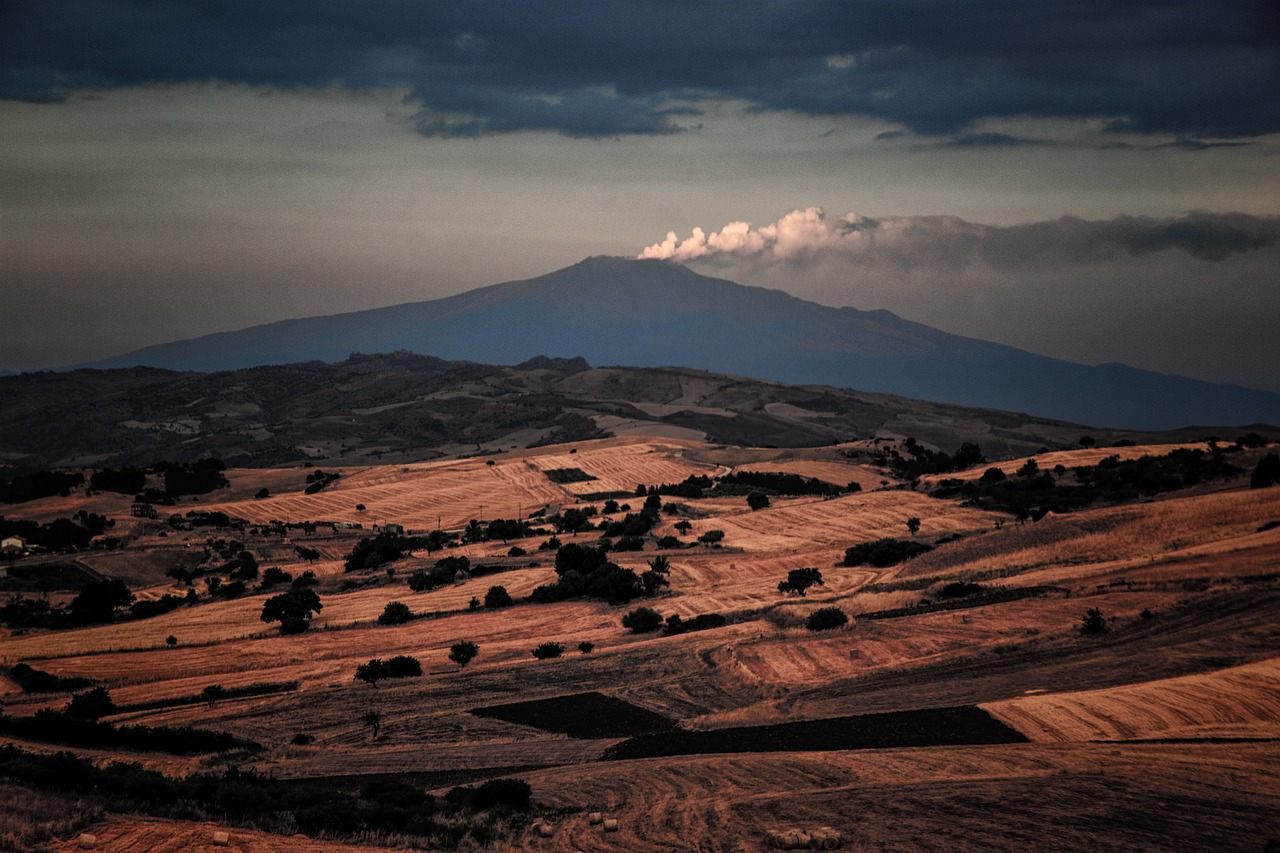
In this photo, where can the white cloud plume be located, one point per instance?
(951, 242)
(1158, 293)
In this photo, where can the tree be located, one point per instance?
(99, 600)
(213, 693)
(496, 597)
(757, 500)
(913, 524)
(171, 641)
(1093, 622)
(660, 565)
(799, 580)
(463, 652)
(826, 619)
(642, 620)
(400, 666)
(395, 613)
(373, 720)
(292, 609)
(274, 575)
(1266, 473)
(712, 537)
(545, 651)
(586, 647)
(91, 705)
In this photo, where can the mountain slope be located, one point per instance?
(403, 407)
(652, 313)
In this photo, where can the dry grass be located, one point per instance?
(31, 820)
(129, 834)
(1204, 667)
(1239, 702)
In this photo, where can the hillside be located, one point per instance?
(614, 311)
(973, 717)
(406, 408)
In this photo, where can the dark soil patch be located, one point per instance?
(964, 725)
(581, 715)
(1000, 595)
(45, 577)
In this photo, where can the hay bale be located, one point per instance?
(789, 839)
(611, 825)
(221, 838)
(87, 841)
(825, 838)
(595, 818)
(773, 838)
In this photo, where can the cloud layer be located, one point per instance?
(952, 242)
(1177, 67)
(1194, 295)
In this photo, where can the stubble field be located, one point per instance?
(1161, 731)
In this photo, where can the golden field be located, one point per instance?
(1162, 732)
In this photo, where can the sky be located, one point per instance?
(1096, 181)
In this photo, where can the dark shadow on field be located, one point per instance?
(960, 726)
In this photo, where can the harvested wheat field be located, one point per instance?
(968, 699)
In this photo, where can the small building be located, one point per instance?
(143, 510)
(393, 528)
(13, 546)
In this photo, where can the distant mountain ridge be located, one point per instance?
(403, 407)
(615, 311)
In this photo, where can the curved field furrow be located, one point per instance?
(1242, 701)
(892, 799)
(737, 582)
(621, 468)
(421, 497)
(1112, 533)
(847, 520)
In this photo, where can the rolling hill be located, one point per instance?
(403, 407)
(614, 311)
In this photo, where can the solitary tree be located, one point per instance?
(496, 597)
(826, 619)
(642, 620)
(395, 613)
(373, 720)
(463, 652)
(1093, 622)
(799, 580)
(91, 704)
(913, 524)
(548, 650)
(292, 609)
(213, 693)
(98, 601)
(1266, 473)
(757, 500)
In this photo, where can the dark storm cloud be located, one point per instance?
(1188, 68)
